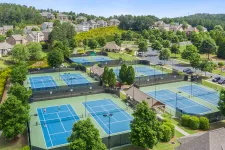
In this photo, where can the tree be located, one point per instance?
(105, 75)
(20, 53)
(208, 46)
(92, 43)
(196, 39)
(9, 33)
(2, 38)
(143, 46)
(130, 76)
(129, 35)
(218, 27)
(195, 61)
(35, 29)
(189, 52)
(85, 136)
(164, 54)
(221, 103)
(156, 46)
(221, 64)
(118, 42)
(19, 74)
(174, 39)
(123, 73)
(206, 66)
(21, 93)
(166, 43)
(34, 50)
(152, 39)
(55, 58)
(111, 78)
(221, 50)
(200, 28)
(144, 127)
(13, 117)
(175, 49)
(145, 34)
(101, 41)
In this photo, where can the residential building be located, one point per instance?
(5, 48)
(47, 25)
(48, 15)
(4, 29)
(210, 140)
(176, 28)
(102, 23)
(62, 17)
(28, 29)
(157, 23)
(16, 39)
(35, 36)
(205, 29)
(92, 24)
(81, 18)
(191, 29)
(114, 22)
(163, 27)
(82, 28)
(46, 33)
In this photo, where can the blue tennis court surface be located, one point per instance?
(101, 58)
(184, 104)
(119, 121)
(141, 70)
(90, 59)
(74, 79)
(204, 94)
(80, 60)
(43, 82)
(56, 123)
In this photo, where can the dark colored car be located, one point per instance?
(221, 81)
(189, 71)
(160, 64)
(186, 69)
(216, 79)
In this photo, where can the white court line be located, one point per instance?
(61, 122)
(54, 113)
(53, 83)
(60, 132)
(42, 127)
(108, 112)
(47, 128)
(32, 82)
(71, 113)
(101, 105)
(118, 121)
(99, 119)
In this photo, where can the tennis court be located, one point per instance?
(204, 94)
(42, 82)
(90, 59)
(56, 123)
(177, 101)
(74, 79)
(141, 71)
(119, 121)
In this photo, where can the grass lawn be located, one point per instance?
(178, 56)
(178, 123)
(219, 72)
(212, 85)
(125, 57)
(159, 146)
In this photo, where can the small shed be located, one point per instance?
(112, 46)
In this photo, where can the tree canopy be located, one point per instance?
(19, 74)
(55, 58)
(20, 53)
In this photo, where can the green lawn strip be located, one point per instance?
(125, 57)
(178, 123)
(219, 72)
(163, 69)
(212, 85)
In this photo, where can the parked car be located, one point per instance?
(221, 81)
(140, 54)
(160, 63)
(216, 79)
(189, 71)
(186, 69)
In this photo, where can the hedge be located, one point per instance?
(194, 122)
(4, 74)
(185, 120)
(204, 123)
(172, 127)
(166, 133)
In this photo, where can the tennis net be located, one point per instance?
(205, 93)
(49, 121)
(108, 112)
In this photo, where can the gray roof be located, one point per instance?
(62, 15)
(116, 20)
(36, 32)
(84, 23)
(7, 27)
(47, 30)
(31, 27)
(101, 21)
(211, 140)
(112, 45)
(18, 37)
(91, 22)
(48, 23)
(5, 45)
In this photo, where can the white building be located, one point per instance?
(5, 48)
(35, 36)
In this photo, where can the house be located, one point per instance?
(84, 26)
(102, 23)
(46, 33)
(92, 24)
(46, 25)
(35, 36)
(204, 29)
(176, 28)
(5, 48)
(16, 39)
(191, 29)
(210, 140)
(4, 29)
(112, 46)
(157, 23)
(28, 29)
(81, 18)
(114, 22)
(62, 17)
(163, 27)
(48, 15)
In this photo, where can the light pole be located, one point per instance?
(108, 115)
(176, 98)
(155, 81)
(192, 78)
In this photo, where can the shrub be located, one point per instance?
(184, 120)
(4, 74)
(26, 148)
(166, 133)
(172, 127)
(194, 122)
(204, 123)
